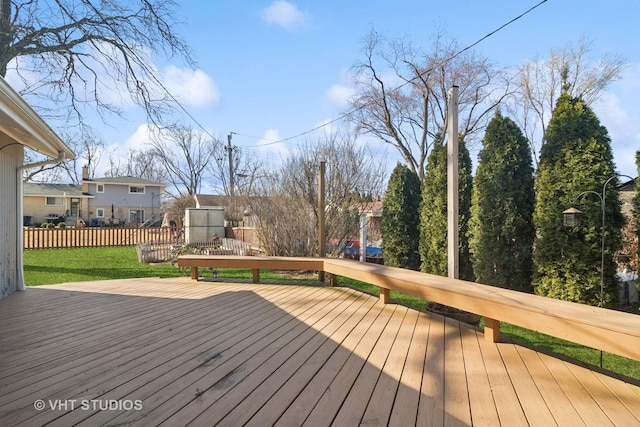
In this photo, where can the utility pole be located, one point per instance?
(229, 150)
(321, 226)
(453, 256)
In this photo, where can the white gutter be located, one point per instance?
(19, 205)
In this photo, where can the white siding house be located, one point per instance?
(125, 200)
(20, 127)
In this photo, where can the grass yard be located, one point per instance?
(50, 266)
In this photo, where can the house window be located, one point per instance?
(100, 188)
(100, 213)
(53, 201)
(136, 190)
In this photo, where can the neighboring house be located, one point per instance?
(627, 258)
(627, 191)
(373, 212)
(628, 293)
(121, 200)
(20, 127)
(43, 202)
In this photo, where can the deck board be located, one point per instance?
(275, 373)
(405, 408)
(222, 353)
(559, 404)
(383, 398)
(431, 406)
(533, 404)
(481, 400)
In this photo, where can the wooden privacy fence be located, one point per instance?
(46, 238)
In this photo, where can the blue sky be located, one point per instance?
(269, 70)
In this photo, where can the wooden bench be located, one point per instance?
(612, 331)
(254, 263)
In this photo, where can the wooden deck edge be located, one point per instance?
(604, 329)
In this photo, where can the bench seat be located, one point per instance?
(609, 330)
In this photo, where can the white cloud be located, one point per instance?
(191, 87)
(616, 112)
(271, 147)
(339, 95)
(138, 140)
(285, 14)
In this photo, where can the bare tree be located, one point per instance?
(568, 70)
(401, 94)
(287, 210)
(284, 225)
(89, 149)
(73, 53)
(175, 208)
(141, 163)
(246, 170)
(185, 154)
(46, 173)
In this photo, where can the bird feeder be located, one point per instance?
(572, 217)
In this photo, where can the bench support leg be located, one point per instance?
(491, 330)
(194, 273)
(384, 295)
(333, 279)
(256, 275)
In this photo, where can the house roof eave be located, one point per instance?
(23, 125)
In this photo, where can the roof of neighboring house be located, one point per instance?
(124, 180)
(211, 200)
(628, 185)
(53, 190)
(374, 208)
(23, 125)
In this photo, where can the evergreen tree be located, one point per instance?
(433, 211)
(465, 190)
(575, 162)
(400, 219)
(501, 227)
(636, 205)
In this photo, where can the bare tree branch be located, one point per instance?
(140, 163)
(74, 51)
(186, 155)
(409, 110)
(542, 81)
(286, 209)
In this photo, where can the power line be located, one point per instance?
(342, 116)
(348, 113)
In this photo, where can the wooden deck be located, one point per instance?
(175, 351)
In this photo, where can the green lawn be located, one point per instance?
(49, 266)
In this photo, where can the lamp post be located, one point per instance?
(572, 219)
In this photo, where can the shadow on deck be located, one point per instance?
(175, 351)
